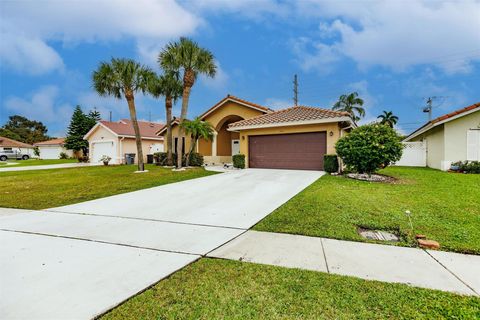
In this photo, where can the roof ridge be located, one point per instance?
(456, 112)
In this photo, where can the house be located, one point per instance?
(116, 139)
(292, 138)
(452, 137)
(7, 144)
(51, 149)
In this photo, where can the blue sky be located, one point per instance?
(393, 53)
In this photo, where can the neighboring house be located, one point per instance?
(7, 144)
(451, 137)
(293, 138)
(51, 149)
(115, 139)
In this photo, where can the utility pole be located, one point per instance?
(429, 107)
(110, 116)
(149, 116)
(295, 90)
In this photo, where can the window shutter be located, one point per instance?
(473, 145)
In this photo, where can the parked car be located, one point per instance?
(13, 154)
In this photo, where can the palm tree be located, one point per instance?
(123, 78)
(197, 129)
(388, 118)
(352, 104)
(169, 86)
(188, 57)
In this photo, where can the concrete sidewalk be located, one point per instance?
(49, 166)
(459, 273)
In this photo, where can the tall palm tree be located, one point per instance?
(388, 118)
(197, 129)
(123, 78)
(352, 104)
(169, 86)
(188, 57)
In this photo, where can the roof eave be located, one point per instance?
(292, 123)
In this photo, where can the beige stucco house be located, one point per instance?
(292, 138)
(451, 137)
(115, 139)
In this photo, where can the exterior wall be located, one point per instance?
(328, 127)
(230, 108)
(128, 145)
(53, 151)
(456, 137)
(435, 146)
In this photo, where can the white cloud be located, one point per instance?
(219, 82)
(29, 55)
(28, 26)
(400, 34)
(276, 103)
(41, 106)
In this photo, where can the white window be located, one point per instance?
(473, 144)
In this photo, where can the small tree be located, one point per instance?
(197, 129)
(80, 124)
(369, 148)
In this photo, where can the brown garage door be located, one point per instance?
(288, 151)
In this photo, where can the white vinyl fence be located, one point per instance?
(414, 155)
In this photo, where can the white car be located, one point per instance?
(13, 154)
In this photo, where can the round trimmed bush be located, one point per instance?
(369, 148)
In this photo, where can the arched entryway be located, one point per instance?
(227, 140)
(223, 144)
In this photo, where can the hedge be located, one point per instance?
(196, 159)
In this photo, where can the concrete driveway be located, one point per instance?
(80, 260)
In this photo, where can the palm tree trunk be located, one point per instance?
(192, 149)
(168, 107)
(183, 116)
(138, 138)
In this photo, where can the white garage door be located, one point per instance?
(50, 152)
(102, 148)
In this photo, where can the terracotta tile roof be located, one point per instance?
(230, 97)
(456, 112)
(10, 143)
(124, 127)
(293, 114)
(58, 141)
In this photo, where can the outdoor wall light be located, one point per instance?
(331, 133)
(243, 137)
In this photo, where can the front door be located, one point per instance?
(235, 147)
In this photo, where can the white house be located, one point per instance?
(452, 137)
(51, 149)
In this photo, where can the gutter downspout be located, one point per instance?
(121, 150)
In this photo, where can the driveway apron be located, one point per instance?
(79, 261)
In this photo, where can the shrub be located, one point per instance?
(83, 159)
(467, 166)
(239, 161)
(330, 163)
(369, 148)
(63, 155)
(196, 159)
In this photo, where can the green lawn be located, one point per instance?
(221, 289)
(40, 189)
(37, 162)
(445, 207)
